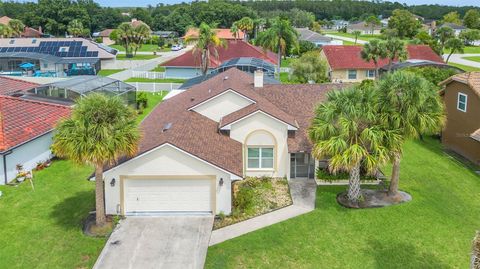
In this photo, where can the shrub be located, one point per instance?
(142, 100)
(245, 199)
(433, 74)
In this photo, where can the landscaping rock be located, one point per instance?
(374, 198)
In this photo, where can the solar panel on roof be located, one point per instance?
(95, 54)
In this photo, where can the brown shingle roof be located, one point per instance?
(472, 79)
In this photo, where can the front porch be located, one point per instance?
(302, 165)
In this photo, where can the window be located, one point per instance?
(462, 102)
(260, 158)
(34, 41)
(352, 74)
(370, 73)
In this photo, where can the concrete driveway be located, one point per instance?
(173, 241)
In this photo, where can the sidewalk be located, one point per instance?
(458, 58)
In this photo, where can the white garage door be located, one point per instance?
(148, 196)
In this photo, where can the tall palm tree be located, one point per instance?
(234, 30)
(124, 36)
(75, 28)
(206, 43)
(17, 27)
(278, 38)
(374, 51)
(245, 25)
(5, 31)
(356, 33)
(395, 50)
(410, 104)
(100, 130)
(346, 130)
(141, 33)
(258, 25)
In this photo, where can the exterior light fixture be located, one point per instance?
(112, 182)
(220, 182)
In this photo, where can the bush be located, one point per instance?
(245, 200)
(142, 100)
(305, 46)
(309, 67)
(433, 74)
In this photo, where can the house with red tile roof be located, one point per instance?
(25, 133)
(196, 143)
(222, 33)
(10, 86)
(187, 65)
(345, 63)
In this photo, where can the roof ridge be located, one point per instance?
(33, 101)
(19, 80)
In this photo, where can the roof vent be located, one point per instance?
(166, 127)
(225, 78)
(192, 99)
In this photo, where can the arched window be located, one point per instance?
(260, 150)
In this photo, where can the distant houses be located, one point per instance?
(27, 31)
(317, 39)
(364, 28)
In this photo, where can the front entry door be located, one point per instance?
(302, 165)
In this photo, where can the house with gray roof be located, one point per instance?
(317, 39)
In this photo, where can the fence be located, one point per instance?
(148, 74)
(155, 87)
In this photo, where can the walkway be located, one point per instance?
(303, 193)
(458, 58)
(359, 41)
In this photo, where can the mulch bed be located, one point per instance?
(373, 199)
(90, 229)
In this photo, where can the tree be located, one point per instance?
(411, 105)
(278, 38)
(258, 25)
(100, 130)
(372, 21)
(5, 31)
(123, 36)
(206, 43)
(245, 25)
(455, 45)
(300, 18)
(452, 17)
(469, 36)
(404, 22)
(75, 28)
(443, 34)
(316, 27)
(17, 27)
(356, 33)
(305, 46)
(141, 32)
(374, 51)
(395, 50)
(472, 19)
(234, 30)
(310, 68)
(346, 130)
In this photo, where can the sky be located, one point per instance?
(129, 3)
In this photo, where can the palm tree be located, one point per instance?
(234, 30)
(207, 42)
(5, 31)
(374, 51)
(245, 25)
(411, 105)
(395, 51)
(258, 25)
(454, 45)
(17, 27)
(75, 28)
(100, 130)
(124, 36)
(356, 34)
(346, 130)
(141, 33)
(278, 38)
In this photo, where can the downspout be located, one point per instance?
(4, 157)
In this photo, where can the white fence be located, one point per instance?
(148, 74)
(154, 87)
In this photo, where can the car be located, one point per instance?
(177, 47)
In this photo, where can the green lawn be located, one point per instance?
(472, 58)
(361, 37)
(159, 80)
(144, 48)
(159, 68)
(467, 49)
(434, 230)
(153, 100)
(465, 67)
(42, 228)
(108, 72)
(137, 57)
(285, 79)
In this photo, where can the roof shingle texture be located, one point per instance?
(10, 85)
(22, 120)
(472, 79)
(349, 57)
(222, 33)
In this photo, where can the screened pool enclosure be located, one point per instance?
(81, 86)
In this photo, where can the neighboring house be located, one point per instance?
(461, 94)
(364, 28)
(196, 143)
(165, 34)
(53, 57)
(222, 33)
(456, 28)
(337, 25)
(26, 133)
(105, 36)
(317, 39)
(27, 31)
(345, 63)
(187, 65)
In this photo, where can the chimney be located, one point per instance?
(258, 79)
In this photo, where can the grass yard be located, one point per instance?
(153, 100)
(465, 67)
(158, 80)
(434, 230)
(472, 58)
(285, 78)
(361, 37)
(108, 72)
(467, 49)
(159, 68)
(137, 57)
(42, 228)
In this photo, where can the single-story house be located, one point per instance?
(165, 34)
(26, 133)
(336, 25)
(53, 57)
(317, 39)
(456, 28)
(364, 28)
(27, 31)
(187, 65)
(345, 63)
(222, 33)
(105, 36)
(196, 143)
(461, 95)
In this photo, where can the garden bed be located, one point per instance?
(324, 177)
(253, 197)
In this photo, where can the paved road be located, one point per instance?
(458, 58)
(174, 241)
(359, 41)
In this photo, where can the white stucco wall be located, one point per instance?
(164, 161)
(222, 105)
(28, 154)
(250, 131)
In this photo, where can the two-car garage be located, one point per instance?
(147, 195)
